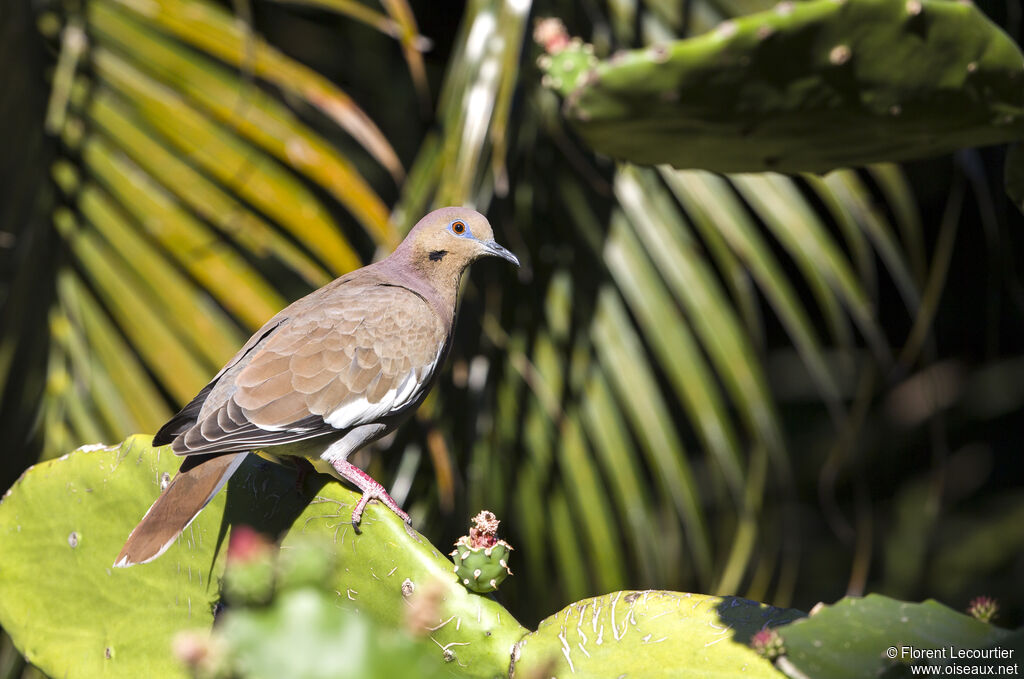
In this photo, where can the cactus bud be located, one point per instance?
(481, 559)
(983, 608)
(550, 34)
(205, 656)
(768, 643)
(249, 578)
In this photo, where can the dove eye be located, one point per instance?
(458, 228)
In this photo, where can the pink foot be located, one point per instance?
(372, 490)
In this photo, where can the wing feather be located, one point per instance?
(368, 352)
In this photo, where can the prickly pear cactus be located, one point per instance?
(481, 559)
(308, 597)
(651, 634)
(250, 576)
(876, 636)
(807, 86)
(567, 61)
(295, 628)
(65, 607)
(75, 616)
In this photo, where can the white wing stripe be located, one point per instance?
(361, 411)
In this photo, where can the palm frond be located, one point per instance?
(208, 28)
(609, 398)
(183, 180)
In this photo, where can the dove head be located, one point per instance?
(446, 241)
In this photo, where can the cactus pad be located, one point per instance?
(849, 640)
(651, 634)
(74, 616)
(481, 559)
(807, 86)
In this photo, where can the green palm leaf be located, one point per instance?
(210, 29)
(185, 181)
(681, 251)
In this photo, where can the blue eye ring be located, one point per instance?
(459, 228)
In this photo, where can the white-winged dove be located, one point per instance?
(335, 370)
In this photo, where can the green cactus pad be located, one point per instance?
(481, 569)
(807, 86)
(73, 615)
(651, 634)
(855, 637)
(66, 608)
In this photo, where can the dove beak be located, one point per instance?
(492, 248)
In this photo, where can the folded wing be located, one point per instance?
(342, 364)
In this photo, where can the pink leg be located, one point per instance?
(372, 490)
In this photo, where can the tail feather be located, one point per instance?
(185, 418)
(191, 489)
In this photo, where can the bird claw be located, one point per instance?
(372, 490)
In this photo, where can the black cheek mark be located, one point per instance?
(437, 255)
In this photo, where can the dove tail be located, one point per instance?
(192, 488)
